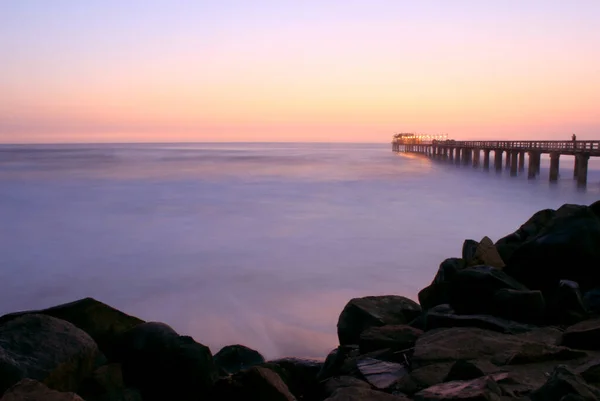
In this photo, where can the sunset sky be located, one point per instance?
(291, 70)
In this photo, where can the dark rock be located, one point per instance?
(430, 374)
(562, 382)
(591, 300)
(46, 349)
(566, 306)
(363, 394)
(362, 313)
(437, 318)
(335, 361)
(464, 370)
(300, 375)
(233, 358)
(106, 384)
(507, 245)
(484, 389)
(448, 268)
(334, 383)
(381, 374)
(519, 305)
(537, 352)
(487, 254)
(102, 322)
(395, 337)
(33, 390)
(472, 289)
(165, 365)
(433, 295)
(590, 371)
(583, 335)
(254, 384)
(566, 248)
(468, 250)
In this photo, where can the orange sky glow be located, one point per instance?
(288, 71)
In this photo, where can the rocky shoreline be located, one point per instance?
(514, 319)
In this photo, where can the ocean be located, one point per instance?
(258, 244)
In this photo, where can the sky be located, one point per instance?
(291, 70)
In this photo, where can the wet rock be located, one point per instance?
(165, 365)
(448, 269)
(469, 249)
(519, 305)
(537, 352)
(46, 349)
(590, 371)
(430, 374)
(484, 388)
(254, 384)
(363, 394)
(106, 384)
(381, 374)
(563, 382)
(472, 289)
(233, 358)
(566, 248)
(396, 337)
(32, 390)
(102, 322)
(583, 335)
(437, 292)
(441, 317)
(362, 313)
(335, 383)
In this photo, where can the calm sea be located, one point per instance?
(260, 244)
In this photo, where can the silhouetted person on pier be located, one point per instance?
(574, 137)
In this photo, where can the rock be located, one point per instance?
(300, 375)
(430, 374)
(563, 382)
(233, 358)
(567, 305)
(583, 335)
(396, 337)
(102, 322)
(506, 246)
(32, 390)
(381, 374)
(472, 289)
(448, 268)
(165, 365)
(46, 349)
(487, 254)
(363, 394)
(519, 305)
(590, 371)
(441, 317)
(537, 352)
(468, 251)
(591, 300)
(334, 383)
(254, 384)
(437, 292)
(566, 248)
(484, 388)
(335, 361)
(106, 384)
(464, 370)
(362, 313)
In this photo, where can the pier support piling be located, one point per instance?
(534, 164)
(582, 168)
(521, 161)
(486, 159)
(513, 162)
(476, 156)
(498, 160)
(554, 166)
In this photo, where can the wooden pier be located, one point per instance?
(469, 152)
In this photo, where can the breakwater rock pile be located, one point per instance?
(514, 319)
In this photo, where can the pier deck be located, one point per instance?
(469, 152)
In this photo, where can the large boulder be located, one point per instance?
(106, 384)
(254, 384)
(437, 292)
(331, 385)
(336, 360)
(102, 322)
(300, 375)
(563, 382)
(46, 349)
(583, 335)
(165, 365)
(362, 313)
(566, 247)
(566, 306)
(33, 390)
(396, 337)
(472, 290)
(484, 389)
(381, 374)
(506, 246)
(519, 305)
(233, 358)
(363, 394)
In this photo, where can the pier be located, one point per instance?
(509, 155)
